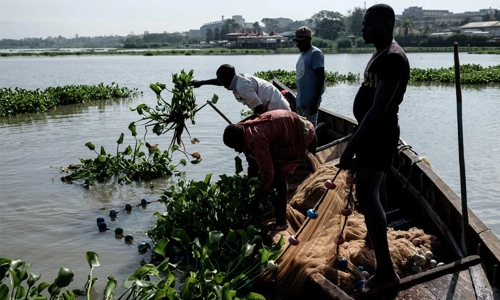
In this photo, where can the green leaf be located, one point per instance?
(54, 289)
(20, 292)
(92, 259)
(207, 178)
(64, 278)
(132, 128)
(33, 279)
(247, 250)
(102, 158)
(182, 162)
(187, 290)
(226, 293)
(90, 146)
(161, 245)
(68, 295)
(213, 241)
(42, 286)
(110, 287)
(215, 98)
(181, 236)
(127, 150)
(120, 139)
(252, 231)
(264, 255)
(254, 296)
(196, 161)
(4, 291)
(155, 88)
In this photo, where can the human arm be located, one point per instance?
(259, 109)
(318, 89)
(262, 157)
(198, 83)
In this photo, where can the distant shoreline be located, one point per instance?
(221, 51)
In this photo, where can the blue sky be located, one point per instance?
(43, 18)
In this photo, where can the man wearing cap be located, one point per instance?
(310, 75)
(273, 143)
(254, 92)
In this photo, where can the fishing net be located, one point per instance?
(317, 248)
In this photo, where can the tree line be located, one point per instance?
(327, 25)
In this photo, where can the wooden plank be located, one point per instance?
(457, 285)
(480, 283)
(332, 290)
(417, 292)
(431, 274)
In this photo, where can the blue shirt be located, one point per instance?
(305, 77)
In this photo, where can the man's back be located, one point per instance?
(252, 91)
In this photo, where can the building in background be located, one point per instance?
(491, 28)
(432, 20)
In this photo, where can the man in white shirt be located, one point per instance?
(256, 93)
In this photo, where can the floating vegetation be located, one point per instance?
(14, 101)
(288, 77)
(469, 74)
(208, 237)
(213, 229)
(134, 164)
(131, 164)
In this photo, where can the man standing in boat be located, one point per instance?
(375, 141)
(256, 93)
(310, 75)
(273, 143)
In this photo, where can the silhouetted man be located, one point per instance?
(374, 142)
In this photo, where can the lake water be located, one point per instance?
(52, 224)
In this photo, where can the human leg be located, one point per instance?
(306, 113)
(282, 193)
(368, 194)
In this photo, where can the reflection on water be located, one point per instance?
(51, 224)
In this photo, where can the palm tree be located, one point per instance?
(406, 26)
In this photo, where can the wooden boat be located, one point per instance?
(430, 204)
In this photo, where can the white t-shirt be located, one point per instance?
(253, 91)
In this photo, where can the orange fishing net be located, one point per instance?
(317, 249)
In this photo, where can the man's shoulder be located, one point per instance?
(316, 49)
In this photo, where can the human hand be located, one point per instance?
(195, 83)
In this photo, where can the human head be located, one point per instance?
(225, 74)
(303, 36)
(378, 23)
(233, 137)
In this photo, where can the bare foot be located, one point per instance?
(377, 284)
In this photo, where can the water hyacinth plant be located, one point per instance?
(18, 101)
(469, 74)
(173, 114)
(288, 77)
(211, 232)
(131, 164)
